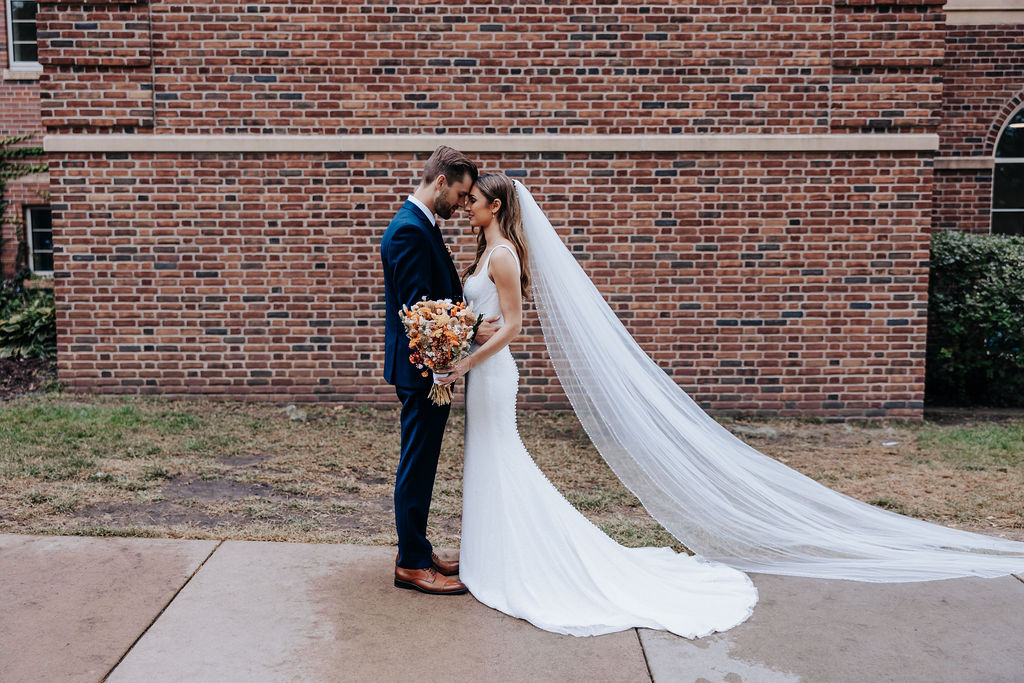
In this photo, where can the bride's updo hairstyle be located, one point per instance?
(499, 186)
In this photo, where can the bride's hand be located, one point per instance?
(459, 370)
(486, 330)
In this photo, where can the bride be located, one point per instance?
(527, 552)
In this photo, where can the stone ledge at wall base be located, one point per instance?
(42, 283)
(382, 396)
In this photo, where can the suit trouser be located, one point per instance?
(422, 431)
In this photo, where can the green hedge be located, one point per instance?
(976, 320)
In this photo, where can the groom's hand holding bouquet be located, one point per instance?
(440, 335)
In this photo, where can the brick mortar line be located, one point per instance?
(160, 613)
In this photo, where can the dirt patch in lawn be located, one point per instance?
(190, 486)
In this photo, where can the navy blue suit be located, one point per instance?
(416, 264)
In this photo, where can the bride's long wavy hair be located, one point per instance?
(499, 186)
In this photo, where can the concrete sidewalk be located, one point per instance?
(84, 609)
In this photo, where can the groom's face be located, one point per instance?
(450, 196)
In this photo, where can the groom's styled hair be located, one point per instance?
(451, 163)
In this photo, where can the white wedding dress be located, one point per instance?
(527, 552)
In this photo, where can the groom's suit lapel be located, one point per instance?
(439, 246)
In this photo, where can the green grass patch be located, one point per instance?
(978, 446)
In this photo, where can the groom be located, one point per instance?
(417, 264)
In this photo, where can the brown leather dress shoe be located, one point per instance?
(428, 581)
(445, 567)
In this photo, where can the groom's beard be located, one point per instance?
(443, 208)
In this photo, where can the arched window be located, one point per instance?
(1008, 181)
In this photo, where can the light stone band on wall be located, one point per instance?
(964, 163)
(975, 12)
(491, 143)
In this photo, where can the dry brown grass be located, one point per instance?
(199, 469)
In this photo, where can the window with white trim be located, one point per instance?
(1008, 179)
(22, 50)
(39, 231)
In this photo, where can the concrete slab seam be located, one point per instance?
(640, 640)
(159, 613)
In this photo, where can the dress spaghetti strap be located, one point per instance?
(510, 250)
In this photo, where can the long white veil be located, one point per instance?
(721, 498)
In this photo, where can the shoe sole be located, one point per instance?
(414, 587)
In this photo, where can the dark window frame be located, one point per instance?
(30, 238)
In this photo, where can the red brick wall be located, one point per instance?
(492, 67)
(885, 59)
(19, 115)
(611, 68)
(776, 283)
(789, 283)
(982, 88)
(19, 104)
(99, 67)
(19, 99)
(963, 200)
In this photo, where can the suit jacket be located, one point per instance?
(416, 264)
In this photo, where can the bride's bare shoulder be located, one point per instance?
(503, 260)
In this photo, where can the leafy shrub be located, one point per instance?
(976, 320)
(14, 295)
(28, 325)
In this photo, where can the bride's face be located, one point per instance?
(479, 208)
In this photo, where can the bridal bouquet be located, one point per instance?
(440, 333)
